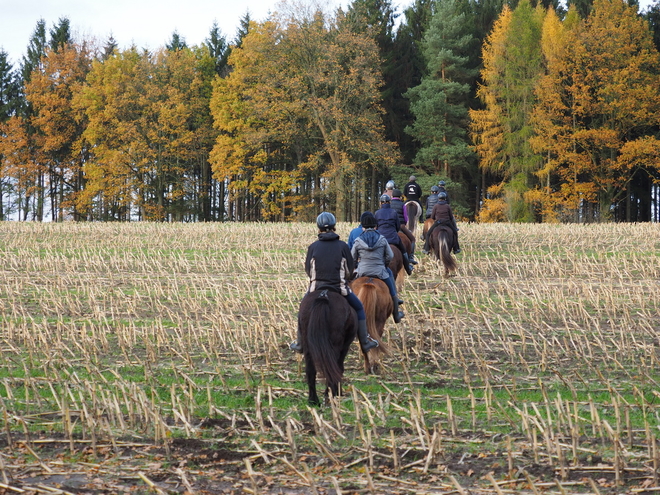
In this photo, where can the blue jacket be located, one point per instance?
(388, 223)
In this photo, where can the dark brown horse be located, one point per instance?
(378, 306)
(396, 264)
(440, 244)
(327, 325)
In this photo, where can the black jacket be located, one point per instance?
(329, 264)
(412, 191)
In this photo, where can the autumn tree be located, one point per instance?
(599, 103)
(502, 130)
(57, 125)
(307, 91)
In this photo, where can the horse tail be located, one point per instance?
(444, 252)
(369, 298)
(411, 210)
(319, 346)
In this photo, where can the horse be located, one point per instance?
(377, 301)
(413, 212)
(440, 244)
(396, 263)
(327, 326)
(427, 225)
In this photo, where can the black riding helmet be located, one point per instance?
(385, 198)
(434, 189)
(326, 221)
(442, 195)
(368, 220)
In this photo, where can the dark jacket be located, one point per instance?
(388, 223)
(442, 211)
(412, 191)
(329, 264)
(431, 201)
(397, 205)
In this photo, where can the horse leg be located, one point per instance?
(310, 372)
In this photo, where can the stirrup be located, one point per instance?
(369, 344)
(295, 346)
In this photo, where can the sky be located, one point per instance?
(145, 23)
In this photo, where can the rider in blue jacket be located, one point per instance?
(389, 226)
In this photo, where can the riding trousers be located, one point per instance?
(390, 282)
(356, 304)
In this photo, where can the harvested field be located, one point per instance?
(153, 358)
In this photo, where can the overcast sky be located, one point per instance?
(146, 23)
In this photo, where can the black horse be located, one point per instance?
(441, 241)
(327, 325)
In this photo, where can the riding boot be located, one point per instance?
(412, 255)
(396, 314)
(296, 345)
(366, 342)
(457, 248)
(406, 264)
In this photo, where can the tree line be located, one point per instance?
(529, 111)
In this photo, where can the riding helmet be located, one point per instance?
(326, 221)
(441, 183)
(396, 193)
(368, 220)
(434, 189)
(385, 198)
(442, 195)
(389, 185)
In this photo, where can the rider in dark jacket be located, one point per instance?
(431, 201)
(398, 205)
(412, 190)
(329, 265)
(443, 215)
(389, 227)
(373, 253)
(441, 188)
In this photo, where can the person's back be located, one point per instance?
(442, 215)
(329, 265)
(388, 223)
(397, 205)
(412, 190)
(442, 211)
(431, 201)
(372, 254)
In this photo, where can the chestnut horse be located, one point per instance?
(377, 301)
(327, 326)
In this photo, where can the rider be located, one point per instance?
(389, 226)
(441, 188)
(413, 191)
(432, 200)
(329, 265)
(443, 215)
(397, 205)
(374, 253)
(389, 188)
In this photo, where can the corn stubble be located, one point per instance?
(534, 369)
